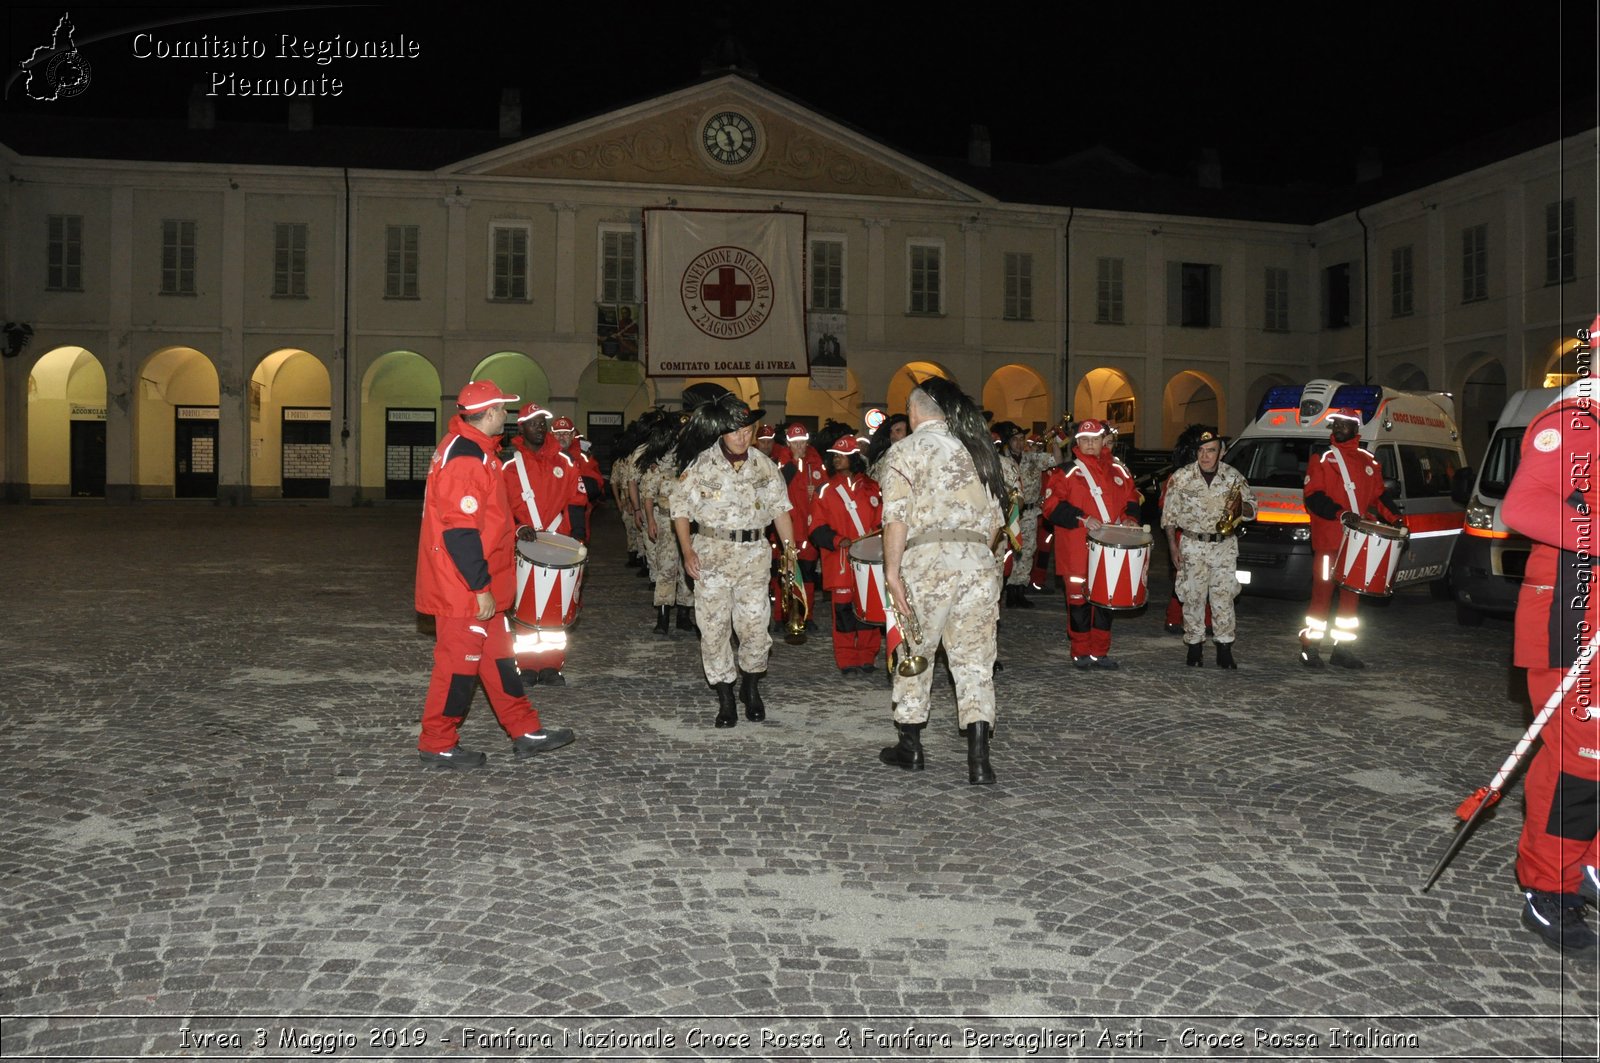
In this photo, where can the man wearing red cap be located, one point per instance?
(1553, 499)
(465, 576)
(1091, 490)
(1343, 485)
(847, 509)
(547, 495)
(804, 474)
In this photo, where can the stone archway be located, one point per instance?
(291, 448)
(1482, 397)
(176, 419)
(516, 374)
(401, 423)
(1190, 397)
(1018, 394)
(1258, 390)
(815, 407)
(1408, 377)
(67, 425)
(907, 377)
(1107, 394)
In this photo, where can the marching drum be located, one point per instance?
(1368, 558)
(1119, 566)
(549, 576)
(866, 570)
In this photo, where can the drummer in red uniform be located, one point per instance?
(805, 476)
(1090, 489)
(1343, 485)
(547, 495)
(848, 508)
(465, 581)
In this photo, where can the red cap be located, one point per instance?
(766, 432)
(1343, 413)
(1090, 427)
(796, 431)
(481, 394)
(561, 424)
(845, 444)
(530, 411)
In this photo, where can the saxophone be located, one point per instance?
(1233, 515)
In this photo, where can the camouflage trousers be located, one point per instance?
(1022, 564)
(955, 594)
(666, 564)
(731, 599)
(631, 526)
(1209, 573)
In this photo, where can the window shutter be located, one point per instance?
(1174, 293)
(1214, 294)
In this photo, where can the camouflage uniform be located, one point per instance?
(1030, 474)
(621, 475)
(731, 592)
(666, 564)
(950, 575)
(1210, 568)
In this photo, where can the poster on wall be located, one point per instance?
(828, 359)
(616, 333)
(724, 293)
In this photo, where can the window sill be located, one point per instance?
(1109, 321)
(404, 298)
(924, 313)
(1475, 299)
(1559, 283)
(1019, 320)
(69, 290)
(492, 299)
(1402, 314)
(185, 295)
(285, 295)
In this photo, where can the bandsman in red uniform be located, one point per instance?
(465, 581)
(1090, 489)
(848, 508)
(1553, 500)
(547, 495)
(1343, 485)
(569, 443)
(804, 474)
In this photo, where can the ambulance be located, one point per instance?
(1486, 568)
(1411, 433)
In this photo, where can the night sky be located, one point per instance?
(1285, 91)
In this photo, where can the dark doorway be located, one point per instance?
(195, 452)
(307, 452)
(88, 458)
(409, 439)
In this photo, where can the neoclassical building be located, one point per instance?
(194, 309)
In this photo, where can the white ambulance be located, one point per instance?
(1486, 568)
(1413, 436)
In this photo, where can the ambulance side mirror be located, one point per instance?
(1392, 489)
(1461, 486)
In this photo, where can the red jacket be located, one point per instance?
(1068, 498)
(1326, 497)
(467, 541)
(807, 479)
(556, 483)
(831, 523)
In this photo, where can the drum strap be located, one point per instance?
(850, 508)
(1095, 492)
(527, 496)
(1344, 474)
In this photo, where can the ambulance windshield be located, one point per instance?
(1274, 461)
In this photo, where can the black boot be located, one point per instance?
(1225, 655)
(1021, 601)
(755, 709)
(907, 753)
(633, 560)
(1343, 658)
(1197, 655)
(727, 710)
(662, 614)
(979, 773)
(686, 618)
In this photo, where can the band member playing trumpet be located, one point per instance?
(847, 509)
(941, 507)
(1206, 502)
(1092, 489)
(1343, 485)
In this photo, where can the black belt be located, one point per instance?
(744, 535)
(1205, 537)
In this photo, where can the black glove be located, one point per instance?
(1349, 518)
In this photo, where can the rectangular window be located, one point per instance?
(400, 261)
(619, 266)
(1474, 263)
(289, 260)
(64, 240)
(827, 274)
(509, 266)
(1336, 296)
(1194, 294)
(1402, 293)
(1019, 286)
(1560, 242)
(177, 258)
(1108, 291)
(925, 278)
(1276, 286)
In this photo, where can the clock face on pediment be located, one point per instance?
(731, 138)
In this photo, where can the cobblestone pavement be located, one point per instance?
(216, 823)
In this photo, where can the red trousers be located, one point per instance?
(1561, 789)
(1322, 588)
(466, 652)
(854, 643)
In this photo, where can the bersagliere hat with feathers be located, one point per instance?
(710, 421)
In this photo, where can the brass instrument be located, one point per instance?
(796, 611)
(910, 662)
(1233, 516)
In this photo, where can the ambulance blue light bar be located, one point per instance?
(1364, 397)
(1281, 397)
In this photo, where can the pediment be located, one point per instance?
(660, 142)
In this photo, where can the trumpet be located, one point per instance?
(908, 662)
(1233, 515)
(796, 611)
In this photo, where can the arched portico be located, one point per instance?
(175, 425)
(401, 423)
(67, 425)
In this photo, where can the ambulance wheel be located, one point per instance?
(1467, 616)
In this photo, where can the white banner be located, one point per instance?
(724, 293)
